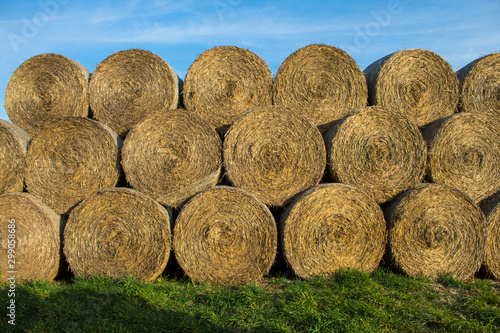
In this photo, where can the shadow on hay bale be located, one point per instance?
(13, 146)
(480, 85)
(225, 235)
(274, 153)
(491, 208)
(37, 242)
(322, 82)
(380, 151)
(415, 82)
(46, 87)
(332, 227)
(224, 82)
(117, 232)
(129, 85)
(435, 230)
(70, 159)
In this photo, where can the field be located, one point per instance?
(348, 302)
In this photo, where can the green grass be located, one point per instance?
(349, 302)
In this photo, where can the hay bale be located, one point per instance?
(129, 85)
(70, 159)
(274, 153)
(435, 229)
(491, 208)
(118, 232)
(464, 152)
(377, 150)
(225, 82)
(171, 156)
(13, 145)
(418, 83)
(36, 244)
(331, 227)
(225, 235)
(322, 82)
(46, 87)
(480, 85)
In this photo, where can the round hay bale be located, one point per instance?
(491, 208)
(480, 85)
(30, 233)
(418, 83)
(70, 159)
(225, 235)
(13, 145)
(225, 82)
(331, 227)
(274, 153)
(377, 150)
(118, 232)
(129, 85)
(171, 156)
(464, 152)
(46, 87)
(435, 229)
(322, 82)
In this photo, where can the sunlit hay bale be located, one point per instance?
(331, 227)
(322, 82)
(415, 82)
(129, 85)
(377, 150)
(274, 153)
(436, 230)
(30, 238)
(464, 152)
(225, 235)
(46, 87)
(491, 207)
(118, 232)
(171, 156)
(480, 85)
(70, 159)
(13, 145)
(226, 81)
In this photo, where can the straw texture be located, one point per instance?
(13, 145)
(491, 208)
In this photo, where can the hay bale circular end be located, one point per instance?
(322, 82)
(226, 81)
(225, 235)
(30, 231)
(274, 153)
(118, 232)
(129, 85)
(171, 156)
(435, 229)
(13, 145)
(331, 227)
(416, 82)
(377, 150)
(70, 159)
(491, 208)
(44, 88)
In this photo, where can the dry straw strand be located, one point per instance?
(480, 85)
(172, 155)
(225, 235)
(322, 82)
(377, 150)
(118, 232)
(37, 241)
(464, 152)
(44, 88)
(129, 85)
(274, 153)
(226, 81)
(13, 145)
(435, 229)
(331, 227)
(491, 207)
(70, 159)
(416, 82)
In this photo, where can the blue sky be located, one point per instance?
(178, 31)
